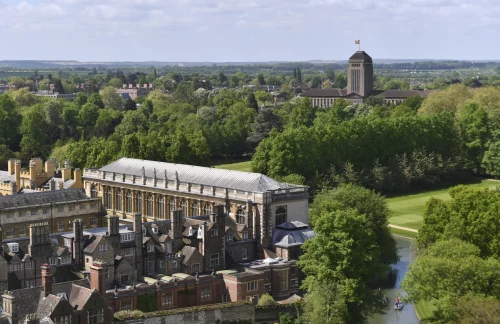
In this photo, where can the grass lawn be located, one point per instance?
(424, 309)
(407, 210)
(400, 232)
(239, 166)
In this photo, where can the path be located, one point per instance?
(404, 228)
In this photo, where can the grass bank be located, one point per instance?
(238, 166)
(424, 309)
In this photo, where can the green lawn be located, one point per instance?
(239, 166)
(407, 210)
(400, 232)
(425, 309)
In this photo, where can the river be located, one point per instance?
(407, 314)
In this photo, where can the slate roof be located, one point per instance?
(5, 176)
(360, 56)
(95, 240)
(188, 251)
(327, 93)
(238, 180)
(40, 198)
(79, 296)
(290, 234)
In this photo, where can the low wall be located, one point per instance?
(270, 315)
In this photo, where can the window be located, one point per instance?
(154, 228)
(245, 235)
(151, 267)
(229, 237)
(16, 266)
(119, 200)
(103, 247)
(83, 206)
(66, 260)
(93, 222)
(149, 206)
(93, 191)
(160, 207)
(168, 247)
(30, 284)
(252, 285)
(128, 202)
(27, 265)
(10, 232)
(126, 304)
(124, 278)
(195, 268)
(151, 248)
(22, 213)
(214, 259)
(240, 216)
(206, 293)
(200, 232)
(284, 280)
(53, 261)
(108, 198)
(208, 209)
(184, 208)
(60, 209)
(71, 208)
(127, 237)
(95, 316)
(34, 212)
(45, 211)
(167, 300)
(60, 226)
(22, 231)
(280, 215)
(190, 231)
(160, 264)
(174, 264)
(129, 251)
(195, 209)
(244, 254)
(10, 215)
(93, 206)
(138, 202)
(214, 232)
(64, 319)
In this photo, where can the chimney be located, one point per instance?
(32, 170)
(50, 167)
(17, 171)
(98, 278)
(77, 176)
(11, 166)
(46, 280)
(138, 243)
(13, 188)
(60, 185)
(52, 184)
(38, 165)
(78, 243)
(113, 225)
(66, 172)
(177, 226)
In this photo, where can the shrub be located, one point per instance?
(266, 300)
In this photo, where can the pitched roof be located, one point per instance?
(327, 93)
(79, 296)
(291, 234)
(404, 93)
(360, 56)
(188, 252)
(239, 180)
(95, 240)
(39, 198)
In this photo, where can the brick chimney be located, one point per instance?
(98, 277)
(50, 167)
(46, 280)
(77, 176)
(66, 172)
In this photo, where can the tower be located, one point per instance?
(360, 74)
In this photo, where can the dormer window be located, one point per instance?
(53, 261)
(155, 229)
(127, 237)
(143, 231)
(215, 232)
(151, 248)
(13, 247)
(103, 247)
(190, 231)
(229, 237)
(245, 235)
(200, 233)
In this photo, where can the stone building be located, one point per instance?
(37, 177)
(360, 78)
(57, 208)
(156, 189)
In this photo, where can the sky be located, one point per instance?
(248, 30)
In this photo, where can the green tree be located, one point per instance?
(96, 99)
(10, 120)
(263, 97)
(130, 105)
(491, 159)
(474, 131)
(341, 80)
(35, 141)
(252, 102)
(115, 83)
(112, 99)
(266, 300)
(330, 74)
(316, 82)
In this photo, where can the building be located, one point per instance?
(55, 95)
(359, 86)
(156, 189)
(77, 301)
(37, 178)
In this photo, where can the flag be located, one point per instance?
(357, 41)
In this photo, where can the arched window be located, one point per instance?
(149, 206)
(138, 202)
(160, 206)
(240, 216)
(171, 205)
(108, 197)
(128, 202)
(184, 208)
(280, 215)
(119, 200)
(208, 209)
(195, 209)
(93, 191)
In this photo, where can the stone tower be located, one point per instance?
(360, 74)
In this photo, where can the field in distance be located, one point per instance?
(239, 166)
(406, 211)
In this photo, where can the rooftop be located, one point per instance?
(40, 198)
(360, 57)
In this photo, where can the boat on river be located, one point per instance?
(399, 306)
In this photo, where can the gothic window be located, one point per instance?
(119, 199)
(184, 207)
(149, 206)
(280, 215)
(208, 209)
(160, 204)
(240, 216)
(128, 201)
(138, 202)
(108, 198)
(171, 205)
(195, 209)
(93, 191)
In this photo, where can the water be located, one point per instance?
(407, 314)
